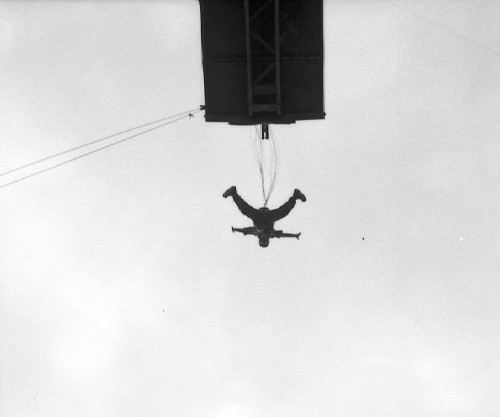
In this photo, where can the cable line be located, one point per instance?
(273, 166)
(97, 141)
(97, 150)
(267, 163)
(450, 31)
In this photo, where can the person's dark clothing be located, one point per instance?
(263, 218)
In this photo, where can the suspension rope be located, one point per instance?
(267, 168)
(189, 115)
(273, 165)
(259, 157)
(97, 141)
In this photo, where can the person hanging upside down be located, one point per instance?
(263, 218)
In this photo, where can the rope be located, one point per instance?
(259, 157)
(95, 141)
(450, 31)
(271, 167)
(97, 150)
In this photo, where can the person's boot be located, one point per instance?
(297, 194)
(229, 191)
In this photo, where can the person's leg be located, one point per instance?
(299, 196)
(245, 208)
(282, 211)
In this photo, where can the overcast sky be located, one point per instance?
(123, 291)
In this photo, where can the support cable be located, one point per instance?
(97, 141)
(273, 165)
(259, 154)
(188, 115)
(267, 163)
(444, 28)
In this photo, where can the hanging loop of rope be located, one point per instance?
(266, 154)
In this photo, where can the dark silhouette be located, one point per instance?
(263, 218)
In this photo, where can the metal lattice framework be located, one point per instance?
(263, 56)
(262, 60)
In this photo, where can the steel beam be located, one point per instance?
(249, 58)
(277, 52)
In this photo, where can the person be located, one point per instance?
(263, 218)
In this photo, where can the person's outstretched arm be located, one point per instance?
(280, 233)
(245, 230)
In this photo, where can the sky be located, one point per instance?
(123, 291)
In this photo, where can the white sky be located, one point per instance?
(123, 291)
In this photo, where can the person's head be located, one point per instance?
(263, 241)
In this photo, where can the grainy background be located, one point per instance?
(124, 293)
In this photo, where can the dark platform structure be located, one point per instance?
(262, 60)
